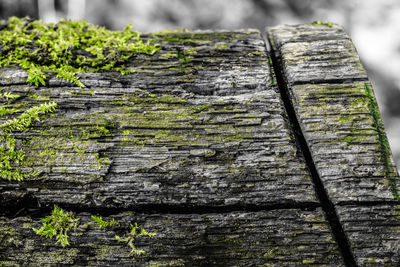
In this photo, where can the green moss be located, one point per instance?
(130, 238)
(39, 48)
(185, 57)
(26, 226)
(169, 55)
(166, 263)
(309, 261)
(8, 99)
(185, 37)
(256, 53)
(7, 234)
(372, 260)
(353, 137)
(173, 124)
(350, 117)
(329, 24)
(103, 224)
(104, 252)
(390, 171)
(10, 156)
(158, 120)
(67, 48)
(58, 224)
(8, 96)
(44, 154)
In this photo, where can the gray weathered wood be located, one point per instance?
(272, 238)
(339, 118)
(198, 147)
(374, 232)
(188, 137)
(213, 134)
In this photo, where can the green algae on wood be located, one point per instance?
(336, 118)
(67, 48)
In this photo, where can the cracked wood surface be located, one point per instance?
(340, 121)
(164, 138)
(198, 143)
(277, 237)
(187, 137)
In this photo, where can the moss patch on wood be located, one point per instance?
(390, 172)
(329, 24)
(58, 224)
(67, 48)
(11, 156)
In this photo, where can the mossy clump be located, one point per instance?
(67, 47)
(104, 224)
(58, 224)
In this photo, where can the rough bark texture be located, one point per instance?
(339, 119)
(197, 147)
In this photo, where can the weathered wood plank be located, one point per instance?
(272, 238)
(208, 131)
(369, 225)
(317, 54)
(340, 121)
(199, 127)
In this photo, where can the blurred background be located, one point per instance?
(374, 26)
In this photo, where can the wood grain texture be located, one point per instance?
(316, 53)
(208, 132)
(340, 121)
(197, 147)
(190, 135)
(268, 238)
(367, 226)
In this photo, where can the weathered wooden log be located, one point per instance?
(203, 145)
